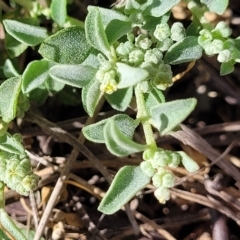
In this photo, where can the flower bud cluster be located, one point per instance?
(155, 166)
(16, 173)
(23, 105)
(107, 76)
(139, 52)
(216, 42)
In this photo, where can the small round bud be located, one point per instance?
(136, 56)
(148, 154)
(124, 48)
(224, 56)
(153, 55)
(175, 160)
(108, 86)
(168, 180)
(165, 44)
(177, 31)
(147, 168)
(162, 194)
(162, 32)
(160, 159)
(221, 30)
(143, 42)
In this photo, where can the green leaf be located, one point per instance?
(28, 34)
(227, 67)
(127, 183)
(120, 99)
(115, 23)
(9, 92)
(153, 98)
(95, 132)
(167, 116)
(53, 86)
(73, 75)
(95, 33)
(68, 46)
(217, 6)
(9, 70)
(130, 76)
(194, 28)
(185, 50)
(91, 95)
(35, 74)
(188, 163)
(159, 8)
(9, 143)
(59, 11)
(14, 47)
(117, 142)
(3, 236)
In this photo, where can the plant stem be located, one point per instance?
(143, 116)
(2, 199)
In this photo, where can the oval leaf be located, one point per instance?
(118, 143)
(9, 92)
(95, 132)
(120, 99)
(91, 95)
(185, 50)
(59, 11)
(68, 46)
(73, 75)
(9, 143)
(127, 183)
(95, 33)
(217, 6)
(167, 116)
(35, 74)
(130, 76)
(188, 163)
(25, 33)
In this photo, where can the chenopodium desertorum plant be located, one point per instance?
(124, 55)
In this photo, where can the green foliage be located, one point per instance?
(124, 55)
(128, 181)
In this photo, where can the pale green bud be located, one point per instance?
(162, 31)
(177, 31)
(162, 194)
(160, 159)
(136, 56)
(224, 56)
(215, 47)
(147, 168)
(165, 44)
(148, 154)
(222, 30)
(109, 86)
(153, 55)
(157, 180)
(143, 42)
(175, 160)
(168, 180)
(124, 48)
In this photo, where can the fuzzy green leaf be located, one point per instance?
(68, 46)
(188, 163)
(9, 92)
(217, 6)
(95, 132)
(118, 143)
(91, 95)
(9, 70)
(227, 68)
(166, 116)
(115, 23)
(73, 75)
(120, 99)
(59, 11)
(9, 143)
(185, 50)
(95, 33)
(153, 98)
(35, 74)
(159, 8)
(127, 183)
(130, 76)
(14, 47)
(28, 34)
